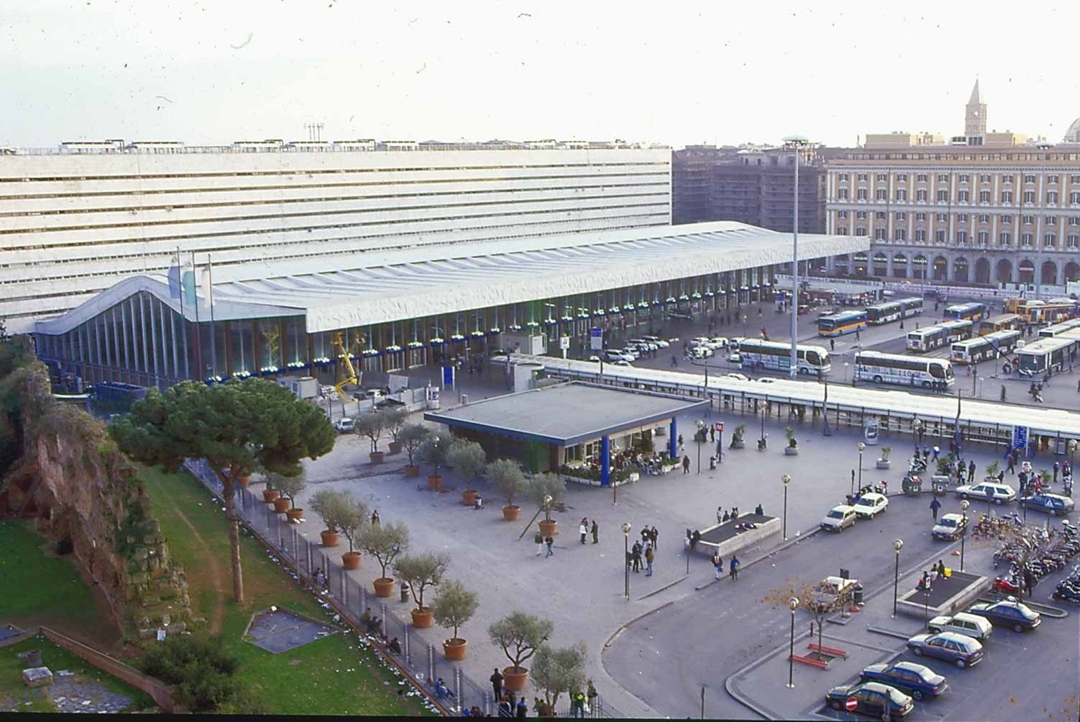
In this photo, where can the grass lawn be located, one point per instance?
(37, 587)
(314, 679)
(14, 692)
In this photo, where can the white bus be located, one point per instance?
(931, 337)
(887, 368)
(1059, 328)
(992, 345)
(1044, 354)
(757, 354)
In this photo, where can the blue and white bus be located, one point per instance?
(979, 348)
(936, 336)
(881, 313)
(967, 311)
(887, 368)
(1059, 328)
(775, 355)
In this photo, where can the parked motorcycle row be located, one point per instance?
(1061, 547)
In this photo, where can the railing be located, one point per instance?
(423, 663)
(346, 147)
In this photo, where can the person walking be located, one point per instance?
(522, 709)
(720, 515)
(1003, 392)
(649, 556)
(375, 517)
(686, 465)
(1011, 459)
(971, 472)
(718, 564)
(538, 539)
(595, 532)
(550, 546)
(934, 506)
(734, 565)
(655, 536)
(583, 529)
(497, 683)
(832, 344)
(712, 434)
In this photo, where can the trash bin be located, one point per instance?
(857, 597)
(404, 591)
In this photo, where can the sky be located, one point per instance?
(677, 73)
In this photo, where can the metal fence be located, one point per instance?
(423, 662)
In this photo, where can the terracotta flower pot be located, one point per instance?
(281, 505)
(422, 618)
(270, 494)
(549, 528)
(396, 447)
(412, 471)
(350, 561)
(434, 482)
(384, 587)
(454, 649)
(376, 457)
(515, 678)
(244, 480)
(330, 538)
(511, 513)
(294, 514)
(468, 497)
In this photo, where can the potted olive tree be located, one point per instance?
(558, 670)
(352, 525)
(519, 636)
(412, 437)
(992, 472)
(395, 422)
(433, 451)
(547, 490)
(467, 458)
(792, 447)
(332, 506)
(372, 426)
(385, 542)
(270, 494)
(290, 487)
(420, 572)
(454, 605)
(737, 439)
(508, 478)
(883, 462)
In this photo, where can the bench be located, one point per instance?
(831, 651)
(820, 664)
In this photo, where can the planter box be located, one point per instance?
(395, 447)
(412, 471)
(350, 561)
(376, 457)
(281, 505)
(329, 538)
(738, 445)
(454, 649)
(270, 494)
(468, 497)
(435, 483)
(511, 513)
(384, 587)
(294, 515)
(885, 464)
(791, 451)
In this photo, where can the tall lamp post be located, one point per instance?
(897, 545)
(626, 558)
(698, 438)
(1039, 228)
(862, 448)
(786, 479)
(793, 604)
(796, 143)
(963, 532)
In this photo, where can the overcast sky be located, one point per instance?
(672, 72)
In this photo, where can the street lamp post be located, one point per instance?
(897, 545)
(963, 532)
(1039, 228)
(793, 604)
(700, 431)
(795, 142)
(786, 479)
(862, 448)
(626, 558)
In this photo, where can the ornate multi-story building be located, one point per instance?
(985, 207)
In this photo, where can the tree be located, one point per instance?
(233, 427)
(547, 484)
(558, 670)
(1022, 545)
(200, 670)
(421, 571)
(385, 542)
(333, 506)
(371, 426)
(454, 605)
(411, 437)
(508, 478)
(815, 599)
(394, 419)
(290, 485)
(519, 636)
(354, 520)
(434, 449)
(466, 458)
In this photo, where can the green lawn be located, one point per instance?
(40, 588)
(14, 692)
(314, 679)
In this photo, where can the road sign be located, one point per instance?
(719, 425)
(850, 704)
(564, 342)
(596, 338)
(1020, 437)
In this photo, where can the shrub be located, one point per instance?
(466, 458)
(199, 669)
(411, 437)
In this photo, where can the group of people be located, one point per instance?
(937, 571)
(584, 529)
(643, 553)
(718, 566)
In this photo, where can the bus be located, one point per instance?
(1045, 354)
(891, 311)
(992, 345)
(967, 311)
(887, 368)
(1048, 311)
(757, 354)
(1001, 322)
(1059, 328)
(837, 324)
(931, 337)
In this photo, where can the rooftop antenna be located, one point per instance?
(314, 131)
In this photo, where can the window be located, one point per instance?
(920, 216)
(841, 214)
(964, 178)
(901, 194)
(1073, 241)
(984, 237)
(1029, 197)
(940, 236)
(1074, 221)
(1029, 179)
(961, 237)
(961, 217)
(984, 178)
(860, 231)
(841, 231)
(882, 177)
(962, 196)
(1007, 220)
(899, 234)
(843, 177)
(1052, 197)
(1028, 220)
(879, 234)
(1051, 220)
(901, 177)
(882, 194)
(1050, 240)
(861, 194)
(1006, 196)
(862, 176)
(943, 177)
(920, 236)
(984, 196)
(842, 194)
(901, 216)
(1007, 178)
(943, 196)
(983, 218)
(922, 177)
(942, 217)
(1074, 179)
(1053, 179)
(1026, 239)
(1074, 197)
(920, 196)
(881, 215)
(861, 215)
(1004, 238)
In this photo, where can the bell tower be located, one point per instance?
(975, 114)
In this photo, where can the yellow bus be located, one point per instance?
(1001, 322)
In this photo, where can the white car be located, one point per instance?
(949, 527)
(734, 357)
(1000, 493)
(699, 341)
(737, 377)
(660, 343)
(632, 352)
(840, 517)
(345, 425)
(766, 380)
(870, 505)
(612, 356)
(594, 358)
(701, 352)
(621, 362)
(718, 342)
(971, 625)
(643, 343)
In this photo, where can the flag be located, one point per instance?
(182, 280)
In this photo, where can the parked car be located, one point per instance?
(735, 357)
(660, 343)
(912, 678)
(632, 352)
(680, 316)
(701, 352)
(872, 698)
(949, 527)
(643, 343)
(621, 362)
(345, 425)
(1001, 492)
(594, 358)
(615, 355)
(766, 380)
(960, 649)
(1054, 504)
(970, 625)
(699, 341)
(718, 342)
(737, 376)
(870, 505)
(839, 518)
(1008, 613)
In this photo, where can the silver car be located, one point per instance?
(960, 649)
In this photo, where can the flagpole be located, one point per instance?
(210, 300)
(198, 329)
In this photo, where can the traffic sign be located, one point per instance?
(850, 704)
(719, 425)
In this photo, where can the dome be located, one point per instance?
(1072, 135)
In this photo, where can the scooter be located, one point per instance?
(761, 444)
(1006, 586)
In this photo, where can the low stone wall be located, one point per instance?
(740, 541)
(158, 691)
(911, 602)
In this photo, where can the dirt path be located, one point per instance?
(211, 568)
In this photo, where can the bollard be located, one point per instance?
(382, 621)
(457, 684)
(431, 664)
(407, 650)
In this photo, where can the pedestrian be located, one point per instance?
(538, 539)
(644, 534)
(937, 451)
(832, 344)
(522, 709)
(675, 363)
(655, 536)
(759, 510)
(550, 546)
(636, 554)
(1003, 392)
(734, 565)
(857, 335)
(720, 517)
(934, 506)
(595, 532)
(686, 465)
(375, 517)
(1012, 463)
(727, 517)
(649, 556)
(680, 441)
(712, 434)
(718, 564)
(583, 529)
(497, 683)
(591, 694)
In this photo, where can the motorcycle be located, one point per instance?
(1006, 586)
